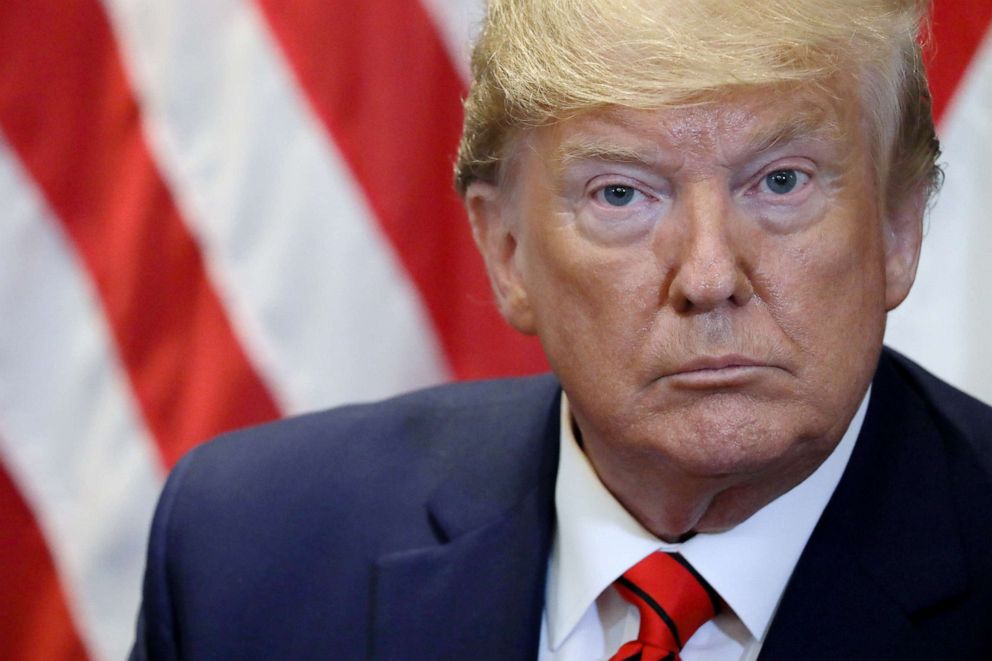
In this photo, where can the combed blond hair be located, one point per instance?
(541, 61)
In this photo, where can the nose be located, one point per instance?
(709, 265)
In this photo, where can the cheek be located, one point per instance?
(830, 296)
(591, 302)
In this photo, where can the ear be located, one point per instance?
(903, 237)
(494, 228)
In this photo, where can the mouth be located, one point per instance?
(727, 371)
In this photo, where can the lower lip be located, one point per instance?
(717, 378)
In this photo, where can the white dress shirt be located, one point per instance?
(597, 540)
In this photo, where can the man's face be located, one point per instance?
(709, 283)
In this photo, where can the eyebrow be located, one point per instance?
(586, 151)
(810, 123)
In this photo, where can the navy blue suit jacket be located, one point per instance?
(419, 528)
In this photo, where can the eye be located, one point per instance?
(617, 209)
(783, 182)
(618, 195)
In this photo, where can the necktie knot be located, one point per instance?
(673, 601)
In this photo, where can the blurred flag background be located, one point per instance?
(217, 212)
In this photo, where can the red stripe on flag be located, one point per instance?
(379, 78)
(34, 621)
(66, 108)
(959, 27)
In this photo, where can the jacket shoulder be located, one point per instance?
(957, 413)
(429, 421)
(407, 444)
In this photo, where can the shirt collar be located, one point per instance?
(596, 539)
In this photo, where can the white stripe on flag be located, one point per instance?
(458, 22)
(313, 288)
(69, 431)
(945, 321)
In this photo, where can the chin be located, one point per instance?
(727, 438)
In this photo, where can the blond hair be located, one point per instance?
(541, 61)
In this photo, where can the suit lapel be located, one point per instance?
(887, 546)
(479, 596)
(480, 593)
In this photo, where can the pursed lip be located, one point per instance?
(714, 363)
(719, 371)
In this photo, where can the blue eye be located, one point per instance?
(618, 195)
(782, 182)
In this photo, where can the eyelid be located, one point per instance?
(604, 181)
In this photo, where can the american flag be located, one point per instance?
(217, 212)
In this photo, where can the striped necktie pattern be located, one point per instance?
(673, 601)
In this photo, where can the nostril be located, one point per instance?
(703, 287)
(743, 289)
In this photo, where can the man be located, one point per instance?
(704, 210)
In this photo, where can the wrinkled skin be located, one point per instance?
(710, 284)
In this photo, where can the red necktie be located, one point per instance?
(673, 601)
